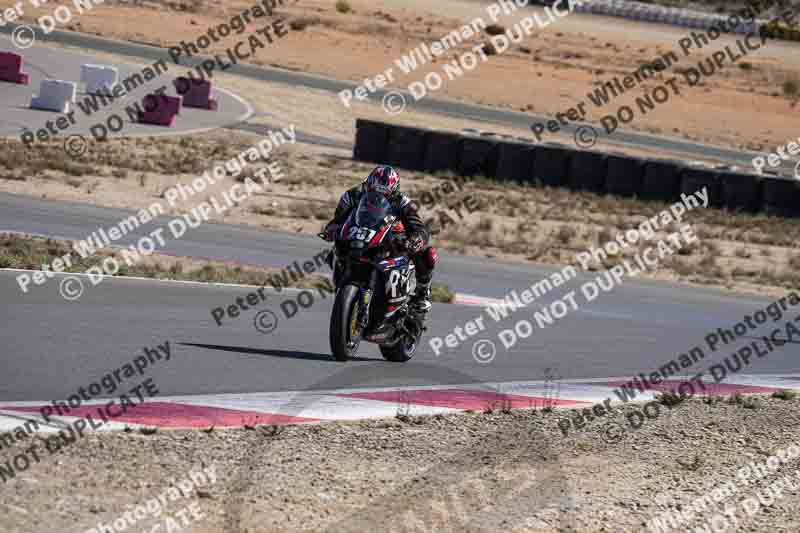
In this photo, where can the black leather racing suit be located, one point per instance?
(425, 259)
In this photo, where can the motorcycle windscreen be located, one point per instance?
(372, 209)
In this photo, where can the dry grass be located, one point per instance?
(18, 251)
(514, 222)
(303, 22)
(343, 6)
(26, 252)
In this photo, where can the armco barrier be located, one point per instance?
(441, 152)
(587, 171)
(624, 175)
(371, 139)
(695, 178)
(160, 110)
(515, 162)
(406, 147)
(551, 166)
(196, 93)
(99, 79)
(661, 181)
(54, 95)
(11, 68)
(741, 192)
(781, 197)
(478, 156)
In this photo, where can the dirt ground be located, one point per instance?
(495, 470)
(742, 105)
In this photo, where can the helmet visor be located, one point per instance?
(372, 209)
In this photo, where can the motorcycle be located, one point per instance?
(374, 279)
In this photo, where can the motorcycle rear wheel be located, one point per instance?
(400, 352)
(345, 334)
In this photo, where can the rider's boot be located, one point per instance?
(421, 300)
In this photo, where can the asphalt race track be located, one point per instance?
(53, 345)
(41, 63)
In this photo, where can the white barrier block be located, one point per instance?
(54, 95)
(99, 79)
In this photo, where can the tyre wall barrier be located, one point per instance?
(781, 197)
(196, 93)
(741, 192)
(661, 181)
(695, 178)
(587, 171)
(624, 175)
(442, 151)
(160, 110)
(478, 156)
(688, 19)
(551, 165)
(515, 162)
(406, 147)
(11, 69)
(513, 159)
(371, 139)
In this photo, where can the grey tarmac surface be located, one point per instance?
(53, 346)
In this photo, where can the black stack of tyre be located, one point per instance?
(555, 165)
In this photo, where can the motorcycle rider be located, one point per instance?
(385, 179)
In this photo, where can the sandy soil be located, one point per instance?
(491, 471)
(549, 72)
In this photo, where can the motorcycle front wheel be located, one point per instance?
(345, 333)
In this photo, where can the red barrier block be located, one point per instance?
(196, 93)
(11, 68)
(160, 110)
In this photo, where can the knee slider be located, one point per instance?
(431, 256)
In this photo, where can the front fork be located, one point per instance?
(366, 300)
(364, 296)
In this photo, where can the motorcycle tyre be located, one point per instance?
(398, 353)
(341, 318)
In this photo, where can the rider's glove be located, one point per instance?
(415, 244)
(330, 232)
